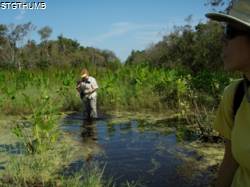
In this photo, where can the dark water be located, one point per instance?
(129, 153)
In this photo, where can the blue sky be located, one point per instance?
(117, 25)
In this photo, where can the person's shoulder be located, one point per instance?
(232, 86)
(229, 91)
(91, 78)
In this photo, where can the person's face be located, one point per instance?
(236, 50)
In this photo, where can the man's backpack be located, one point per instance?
(81, 91)
(239, 94)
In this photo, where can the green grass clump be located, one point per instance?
(134, 87)
(46, 170)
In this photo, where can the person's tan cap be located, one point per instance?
(84, 75)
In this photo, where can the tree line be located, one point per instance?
(20, 52)
(193, 49)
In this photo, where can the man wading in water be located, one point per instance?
(87, 88)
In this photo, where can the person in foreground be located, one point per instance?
(234, 125)
(87, 88)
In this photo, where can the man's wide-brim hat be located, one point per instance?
(239, 13)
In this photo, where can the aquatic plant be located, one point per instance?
(39, 131)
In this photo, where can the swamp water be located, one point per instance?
(130, 151)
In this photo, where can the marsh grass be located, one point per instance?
(47, 169)
(44, 170)
(130, 88)
(91, 176)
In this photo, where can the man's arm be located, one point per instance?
(228, 167)
(94, 87)
(90, 91)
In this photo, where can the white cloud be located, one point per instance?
(120, 29)
(21, 14)
(146, 37)
(117, 29)
(139, 31)
(139, 35)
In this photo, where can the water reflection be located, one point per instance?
(129, 152)
(89, 131)
(89, 138)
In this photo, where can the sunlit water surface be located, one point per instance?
(129, 153)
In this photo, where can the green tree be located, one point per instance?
(45, 33)
(16, 35)
(187, 47)
(3, 42)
